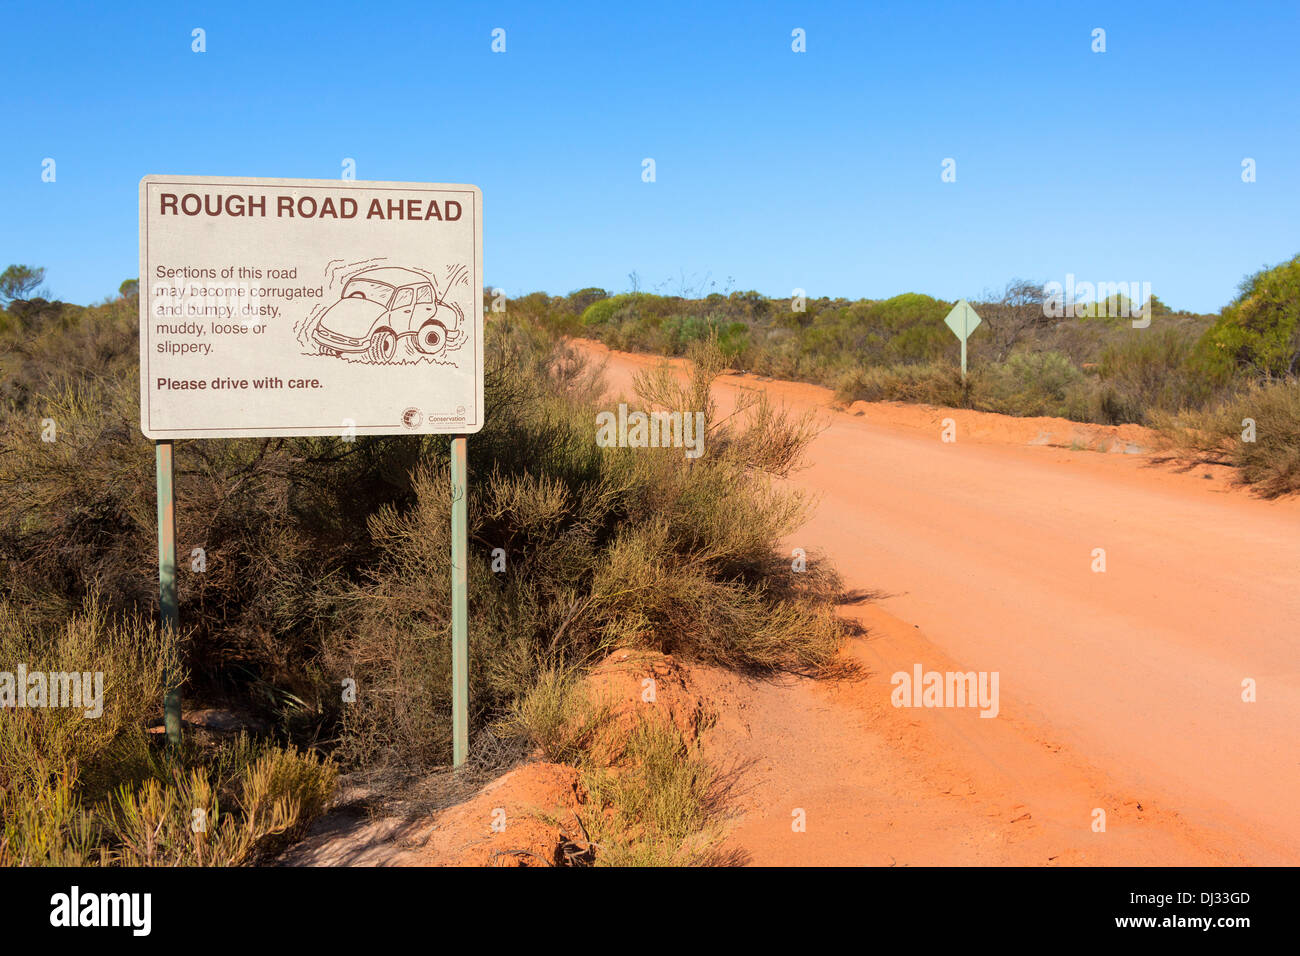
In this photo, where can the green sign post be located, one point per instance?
(963, 321)
(459, 602)
(167, 603)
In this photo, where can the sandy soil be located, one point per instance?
(1119, 690)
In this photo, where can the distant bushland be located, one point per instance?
(1025, 358)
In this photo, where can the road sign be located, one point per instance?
(963, 321)
(309, 307)
(274, 307)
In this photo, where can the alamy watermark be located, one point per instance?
(946, 689)
(72, 689)
(130, 910)
(1104, 300)
(651, 430)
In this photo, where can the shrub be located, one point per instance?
(1151, 369)
(658, 806)
(272, 797)
(1259, 332)
(37, 743)
(604, 545)
(77, 790)
(273, 516)
(1271, 461)
(1029, 383)
(933, 384)
(621, 307)
(557, 716)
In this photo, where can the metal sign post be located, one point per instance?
(168, 608)
(459, 602)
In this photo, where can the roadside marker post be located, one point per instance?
(311, 307)
(459, 602)
(168, 612)
(963, 321)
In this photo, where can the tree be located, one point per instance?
(578, 301)
(19, 282)
(1259, 331)
(129, 289)
(1013, 314)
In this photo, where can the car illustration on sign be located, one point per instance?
(384, 308)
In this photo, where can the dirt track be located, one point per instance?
(1119, 690)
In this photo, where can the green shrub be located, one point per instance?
(78, 790)
(1152, 369)
(933, 384)
(1033, 383)
(659, 806)
(38, 743)
(181, 821)
(1259, 332)
(557, 716)
(650, 798)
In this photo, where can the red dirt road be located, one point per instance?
(1119, 690)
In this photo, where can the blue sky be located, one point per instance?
(778, 170)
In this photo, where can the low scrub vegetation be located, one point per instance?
(659, 804)
(325, 563)
(1024, 359)
(76, 790)
(650, 798)
(598, 547)
(1258, 431)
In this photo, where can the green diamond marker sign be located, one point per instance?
(963, 321)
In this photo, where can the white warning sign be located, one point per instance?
(309, 307)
